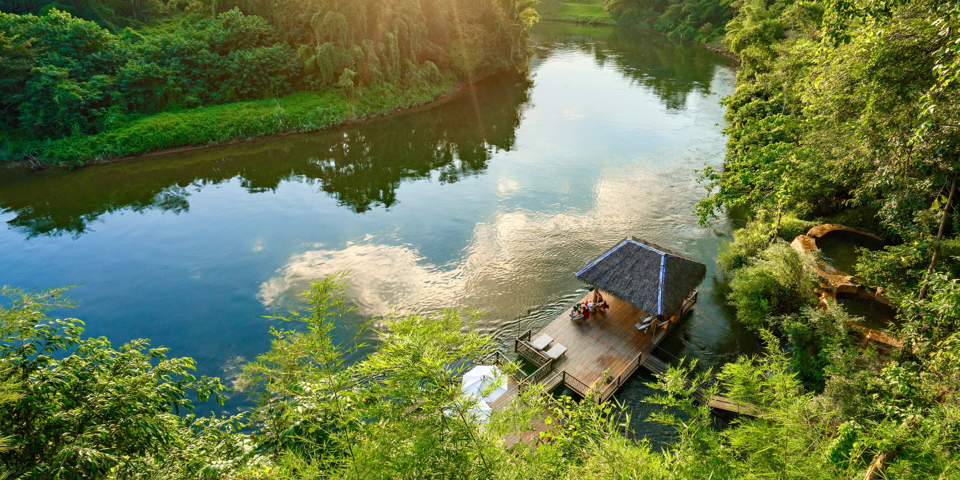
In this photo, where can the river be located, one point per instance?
(492, 199)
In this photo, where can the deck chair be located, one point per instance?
(556, 351)
(647, 320)
(541, 342)
(643, 327)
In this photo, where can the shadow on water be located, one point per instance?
(868, 312)
(841, 248)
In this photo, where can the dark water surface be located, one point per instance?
(840, 248)
(869, 313)
(492, 200)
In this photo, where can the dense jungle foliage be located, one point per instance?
(76, 69)
(845, 113)
(698, 20)
(79, 408)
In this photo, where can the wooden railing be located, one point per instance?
(496, 358)
(552, 382)
(575, 384)
(619, 380)
(541, 372)
(523, 348)
(534, 356)
(499, 359)
(687, 305)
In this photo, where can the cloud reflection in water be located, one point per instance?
(515, 248)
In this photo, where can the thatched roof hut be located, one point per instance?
(652, 278)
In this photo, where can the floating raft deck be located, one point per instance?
(608, 340)
(648, 290)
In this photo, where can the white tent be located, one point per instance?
(482, 380)
(482, 411)
(485, 379)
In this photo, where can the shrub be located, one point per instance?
(747, 243)
(816, 336)
(752, 239)
(78, 408)
(791, 227)
(774, 284)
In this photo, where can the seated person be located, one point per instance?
(591, 306)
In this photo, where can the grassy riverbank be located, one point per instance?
(295, 113)
(86, 81)
(584, 11)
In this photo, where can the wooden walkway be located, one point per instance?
(658, 367)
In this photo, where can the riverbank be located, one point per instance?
(590, 12)
(300, 112)
(587, 14)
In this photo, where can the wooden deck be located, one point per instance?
(609, 342)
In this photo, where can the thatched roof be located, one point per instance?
(652, 278)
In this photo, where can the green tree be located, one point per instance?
(773, 284)
(400, 412)
(77, 408)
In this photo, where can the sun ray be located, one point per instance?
(471, 81)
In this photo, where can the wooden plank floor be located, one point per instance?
(530, 437)
(506, 398)
(607, 340)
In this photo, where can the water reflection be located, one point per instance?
(490, 200)
(363, 166)
(671, 69)
(509, 249)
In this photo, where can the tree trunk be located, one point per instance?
(936, 246)
(879, 462)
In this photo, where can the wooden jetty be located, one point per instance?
(647, 291)
(608, 342)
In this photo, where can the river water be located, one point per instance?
(491, 199)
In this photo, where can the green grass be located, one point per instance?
(584, 10)
(299, 112)
(587, 11)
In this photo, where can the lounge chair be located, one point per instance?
(643, 327)
(556, 351)
(541, 342)
(647, 320)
